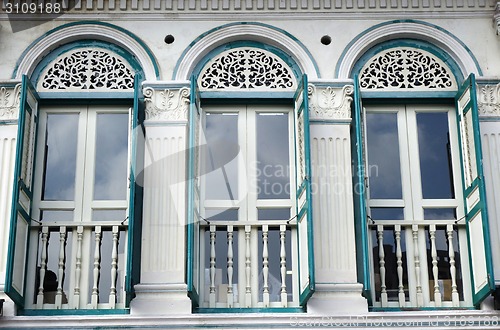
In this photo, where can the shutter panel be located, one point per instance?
(360, 212)
(193, 227)
(304, 204)
(476, 215)
(20, 220)
(135, 191)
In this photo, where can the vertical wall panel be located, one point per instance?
(491, 164)
(7, 159)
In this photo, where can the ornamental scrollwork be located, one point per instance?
(488, 100)
(88, 69)
(330, 102)
(246, 68)
(166, 104)
(9, 102)
(406, 68)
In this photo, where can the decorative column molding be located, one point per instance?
(163, 288)
(329, 102)
(337, 288)
(496, 18)
(488, 100)
(9, 102)
(166, 104)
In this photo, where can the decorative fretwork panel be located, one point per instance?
(406, 68)
(246, 68)
(88, 69)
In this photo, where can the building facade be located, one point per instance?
(258, 163)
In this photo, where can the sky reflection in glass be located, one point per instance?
(110, 181)
(60, 156)
(383, 156)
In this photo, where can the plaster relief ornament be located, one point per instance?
(9, 102)
(246, 68)
(92, 69)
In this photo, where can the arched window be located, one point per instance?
(424, 198)
(250, 210)
(75, 195)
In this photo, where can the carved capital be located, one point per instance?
(9, 102)
(330, 102)
(496, 18)
(488, 100)
(166, 104)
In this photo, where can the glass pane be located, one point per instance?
(59, 215)
(384, 169)
(109, 215)
(221, 133)
(222, 214)
(110, 182)
(60, 157)
(387, 213)
(435, 158)
(274, 214)
(440, 214)
(273, 158)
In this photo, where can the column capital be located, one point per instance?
(166, 102)
(329, 102)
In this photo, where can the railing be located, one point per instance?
(416, 264)
(248, 264)
(80, 266)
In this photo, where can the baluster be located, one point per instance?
(43, 265)
(61, 266)
(78, 267)
(435, 273)
(114, 268)
(453, 271)
(265, 265)
(248, 288)
(420, 297)
(284, 299)
(230, 298)
(399, 261)
(212, 266)
(97, 266)
(381, 256)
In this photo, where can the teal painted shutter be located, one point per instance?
(304, 204)
(360, 215)
(476, 215)
(135, 192)
(193, 227)
(20, 220)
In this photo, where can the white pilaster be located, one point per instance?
(9, 110)
(162, 289)
(337, 290)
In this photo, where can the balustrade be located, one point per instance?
(416, 264)
(80, 266)
(248, 265)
